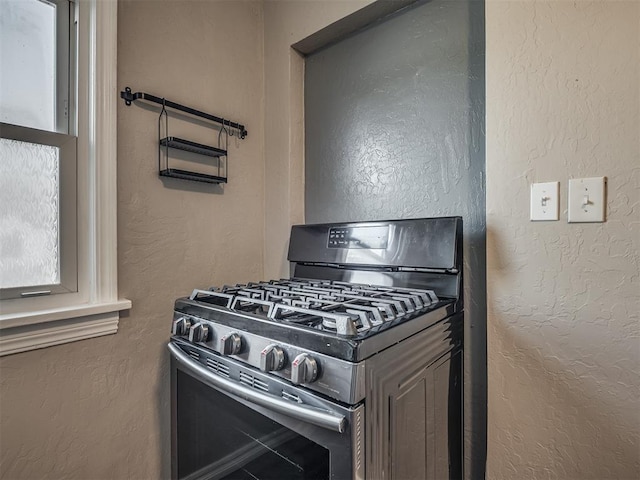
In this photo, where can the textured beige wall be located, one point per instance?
(98, 409)
(287, 22)
(563, 102)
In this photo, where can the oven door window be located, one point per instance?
(220, 438)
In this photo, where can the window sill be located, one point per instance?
(29, 331)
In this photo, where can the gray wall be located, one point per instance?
(394, 120)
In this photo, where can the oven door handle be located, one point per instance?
(316, 416)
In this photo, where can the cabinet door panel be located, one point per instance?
(414, 413)
(412, 441)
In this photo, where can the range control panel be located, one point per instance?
(359, 237)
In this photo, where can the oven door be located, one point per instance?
(230, 421)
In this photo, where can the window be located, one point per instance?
(37, 213)
(37, 68)
(57, 172)
(37, 148)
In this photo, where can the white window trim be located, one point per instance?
(95, 311)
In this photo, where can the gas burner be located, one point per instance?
(331, 306)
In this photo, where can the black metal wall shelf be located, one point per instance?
(193, 176)
(227, 127)
(189, 146)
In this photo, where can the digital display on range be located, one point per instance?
(359, 237)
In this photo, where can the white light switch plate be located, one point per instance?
(545, 201)
(587, 199)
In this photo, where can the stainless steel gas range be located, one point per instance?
(350, 369)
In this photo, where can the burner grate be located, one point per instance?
(339, 307)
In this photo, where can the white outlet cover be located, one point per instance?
(545, 201)
(587, 199)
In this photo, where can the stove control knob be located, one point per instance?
(181, 326)
(230, 344)
(271, 358)
(304, 369)
(198, 332)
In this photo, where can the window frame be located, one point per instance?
(93, 310)
(66, 36)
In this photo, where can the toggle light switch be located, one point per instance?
(587, 199)
(545, 204)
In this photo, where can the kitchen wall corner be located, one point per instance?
(287, 22)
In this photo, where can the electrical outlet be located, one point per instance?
(587, 199)
(545, 201)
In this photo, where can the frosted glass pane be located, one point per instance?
(27, 63)
(29, 213)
